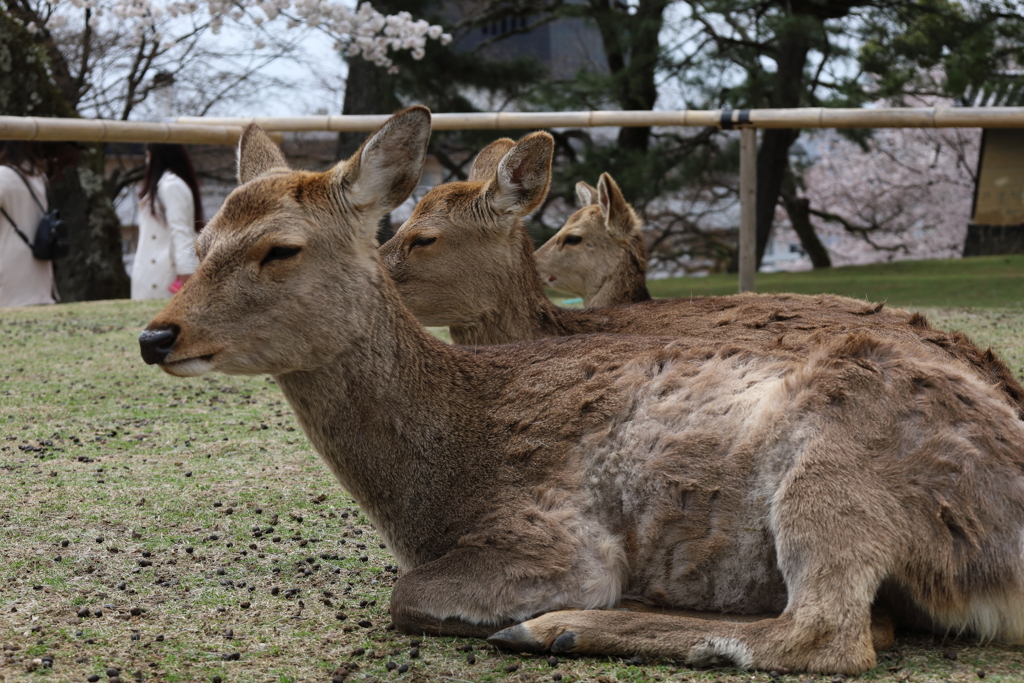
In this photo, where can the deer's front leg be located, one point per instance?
(470, 592)
(502, 577)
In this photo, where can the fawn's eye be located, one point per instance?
(573, 239)
(422, 242)
(280, 253)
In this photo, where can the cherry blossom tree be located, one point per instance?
(905, 195)
(110, 57)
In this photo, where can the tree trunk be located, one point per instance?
(773, 157)
(93, 269)
(632, 49)
(799, 210)
(60, 75)
(772, 162)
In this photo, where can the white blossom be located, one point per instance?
(909, 193)
(199, 46)
(363, 32)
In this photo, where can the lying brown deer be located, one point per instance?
(599, 254)
(520, 487)
(465, 260)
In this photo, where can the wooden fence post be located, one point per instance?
(748, 208)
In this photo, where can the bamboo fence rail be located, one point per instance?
(926, 117)
(99, 130)
(226, 131)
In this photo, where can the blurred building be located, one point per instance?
(997, 218)
(565, 45)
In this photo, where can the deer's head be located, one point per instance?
(453, 259)
(288, 274)
(593, 241)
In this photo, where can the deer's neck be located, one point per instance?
(533, 319)
(521, 310)
(395, 416)
(626, 283)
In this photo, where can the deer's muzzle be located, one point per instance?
(157, 344)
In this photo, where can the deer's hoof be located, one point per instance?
(516, 638)
(564, 643)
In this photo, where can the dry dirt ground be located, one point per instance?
(160, 529)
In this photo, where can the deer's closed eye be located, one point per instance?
(573, 239)
(422, 242)
(279, 254)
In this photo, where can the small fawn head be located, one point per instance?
(453, 259)
(594, 241)
(288, 275)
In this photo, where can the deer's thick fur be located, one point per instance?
(520, 485)
(465, 260)
(599, 254)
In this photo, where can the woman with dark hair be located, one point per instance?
(170, 216)
(24, 279)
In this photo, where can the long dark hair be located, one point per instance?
(173, 158)
(29, 157)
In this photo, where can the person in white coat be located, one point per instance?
(170, 217)
(24, 279)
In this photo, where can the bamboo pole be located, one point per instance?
(225, 131)
(814, 117)
(99, 130)
(477, 120)
(748, 208)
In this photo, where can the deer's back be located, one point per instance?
(793, 320)
(744, 317)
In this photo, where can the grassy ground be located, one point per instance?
(184, 530)
(988, 281)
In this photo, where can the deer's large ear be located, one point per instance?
(385, 170)
(618, 216)
(486, 163)
(586, 193)
(523, 176)
(258, 155)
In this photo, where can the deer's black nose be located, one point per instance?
(156, 344)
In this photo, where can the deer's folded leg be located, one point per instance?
(470, 592)
(416, 622)
(520, 637)
(827, 625)
(780, 643)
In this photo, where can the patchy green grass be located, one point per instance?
(985, 282)
(146, 521)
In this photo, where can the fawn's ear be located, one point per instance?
(258, 155)
(385, 170)
(618, 217)
(586, 193)
(486, 163)
(521, 181)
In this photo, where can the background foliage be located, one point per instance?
(657, 54)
